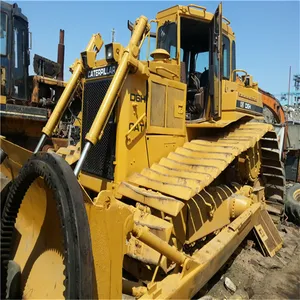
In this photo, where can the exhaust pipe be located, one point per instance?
(61, 54)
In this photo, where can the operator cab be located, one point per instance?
(192, 38)
(194, 60)
(195, 65)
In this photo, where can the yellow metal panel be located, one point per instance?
(109, 226)
(175, 108)
(93, 183)
(165, 131)
(130, 107)
(175, 92)
(2, 99)
(199, 222)
(268, 233)
(158, 102)
(179, 109)
(171, 70)
(16, 153)
(159, 146)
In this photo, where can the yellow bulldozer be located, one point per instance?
(174, 169)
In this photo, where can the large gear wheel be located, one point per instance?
(45, 233)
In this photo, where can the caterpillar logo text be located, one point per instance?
(100, 72)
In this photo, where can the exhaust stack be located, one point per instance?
(61, 54)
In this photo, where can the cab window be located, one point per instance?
(19, 65)
(202, 60)
(167, 38)
(3, 34)
(226, 57)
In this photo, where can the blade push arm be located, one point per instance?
(129, 58)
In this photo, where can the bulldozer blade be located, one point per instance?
(203, 264)
(267, 234)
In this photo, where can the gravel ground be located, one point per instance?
(257, 277)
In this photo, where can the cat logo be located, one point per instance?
(100, 72)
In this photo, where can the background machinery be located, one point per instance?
(27, 101)
(175, 168)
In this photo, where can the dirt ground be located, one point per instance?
(259, 277)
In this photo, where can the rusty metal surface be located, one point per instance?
(50, 81)
(61, 54)
(294, 136)
(22, 111)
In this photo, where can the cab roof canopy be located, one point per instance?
(193, 11)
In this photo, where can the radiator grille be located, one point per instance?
(100, 158)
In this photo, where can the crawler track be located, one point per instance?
(191, 168)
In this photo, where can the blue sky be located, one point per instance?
(267, 32)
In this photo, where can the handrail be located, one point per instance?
(197, 6)
(169, 71)
(239, 70)
(225, 19)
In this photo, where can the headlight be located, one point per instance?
(109, 52)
